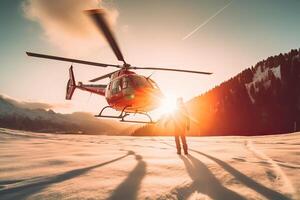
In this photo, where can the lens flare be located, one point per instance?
(168, 104)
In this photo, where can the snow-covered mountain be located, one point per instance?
(262, 99)
(35, 117)
(262, 76)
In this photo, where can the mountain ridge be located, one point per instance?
(35, 117)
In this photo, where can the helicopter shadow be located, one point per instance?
(129, 188)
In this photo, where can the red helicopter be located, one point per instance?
(127, 91)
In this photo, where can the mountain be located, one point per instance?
(35, 117)
(262, 99)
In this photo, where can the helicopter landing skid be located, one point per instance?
(137, 121)
(124, 114)
(121, 116)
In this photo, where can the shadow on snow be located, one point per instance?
(24, 191)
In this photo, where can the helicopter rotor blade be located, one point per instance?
(169, 69)
(102, 77)
(71, 60)
(98, 17)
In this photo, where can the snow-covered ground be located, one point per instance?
(50, 166)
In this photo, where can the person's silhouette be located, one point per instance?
(181, 123)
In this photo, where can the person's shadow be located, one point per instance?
(259, 188)
(239, 176)
(204, 182)
(129, 188)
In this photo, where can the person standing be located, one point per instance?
(181, 122)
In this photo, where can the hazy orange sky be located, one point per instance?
(150, 33)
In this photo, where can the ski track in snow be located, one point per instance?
(288, 186)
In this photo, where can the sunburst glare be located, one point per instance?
(168, 104)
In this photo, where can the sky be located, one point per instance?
(224, 37)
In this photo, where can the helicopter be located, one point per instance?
(126, 92)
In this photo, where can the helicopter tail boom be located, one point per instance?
(96, 89)
(71, 86)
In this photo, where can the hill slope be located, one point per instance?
(263, 99)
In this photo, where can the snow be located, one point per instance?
(261, 76)
(276, 72)
(52, 166)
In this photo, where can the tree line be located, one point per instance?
(262, 99)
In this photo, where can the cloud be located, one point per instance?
(66, 26)
(30, 104)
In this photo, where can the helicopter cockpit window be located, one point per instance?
(125, 83)
(140, 81)
(116, 86)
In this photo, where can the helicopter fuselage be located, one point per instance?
(135, 93)
(126, 91)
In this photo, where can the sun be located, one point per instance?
(168, 104)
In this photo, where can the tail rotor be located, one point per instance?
(71, 85)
